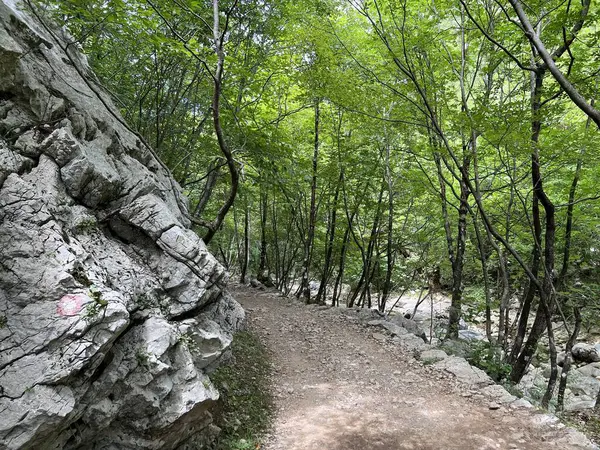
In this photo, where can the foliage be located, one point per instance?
(474, 296)
(247, 406)
(143, 357)
(489, 359)
(426, 163)
(93, 308)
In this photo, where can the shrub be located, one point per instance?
(489, 359)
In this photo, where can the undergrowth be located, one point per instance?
(588, 422)
(247, 407)
(488, 358)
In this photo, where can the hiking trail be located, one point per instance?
(339, 386)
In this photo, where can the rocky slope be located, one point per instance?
(111, 309)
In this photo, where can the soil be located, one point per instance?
(339, 386)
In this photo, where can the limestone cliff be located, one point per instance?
(111, 308)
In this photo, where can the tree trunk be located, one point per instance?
(330, 241)
(390, 237)
(568, 357)
(231, 165)
(214, 170)
(246, 260)
(304, 284)
(263, 273)
(547, 292)
(455, 310)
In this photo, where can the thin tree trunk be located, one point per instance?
(455, 310)
(486, 283)
(214, 170)
(339, 280)
(231, 165)
(263, 273)
(568, 358)
(367, 256)
(390, 237)
(246, 259)
(304, 284)
(330, 241)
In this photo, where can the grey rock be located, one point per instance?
(546, 370)
(533, 384)
(112, 311)
(580, 384)
(379, 337)
(590, 370)
(470, 335)
(367, 315)
(587, 353)
(456, 347)
(432, 356)
(413, 343)
(577, 404)
(498, 394)
(521, 403)
(409, 325)
(464, 372)
(394, 329)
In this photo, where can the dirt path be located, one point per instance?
(337, 388)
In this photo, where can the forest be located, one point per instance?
(372, 147)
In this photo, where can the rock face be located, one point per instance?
(112, 311)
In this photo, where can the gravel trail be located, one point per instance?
(337, 387)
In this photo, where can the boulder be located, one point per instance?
(586, 353)
(590, 370)
(547, 370)
(112, 310)
(256, 284)
(367, 314)
(499, 394)
(464, 372)
(533, 384)
(456, 347)
(578, 403)
(470, 335)
(408, 324)
(521, 403)
(581, 385)
(560, 358)
(394, 329)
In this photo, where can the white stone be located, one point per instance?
(114, 308)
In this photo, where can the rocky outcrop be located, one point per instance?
(112, 311)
